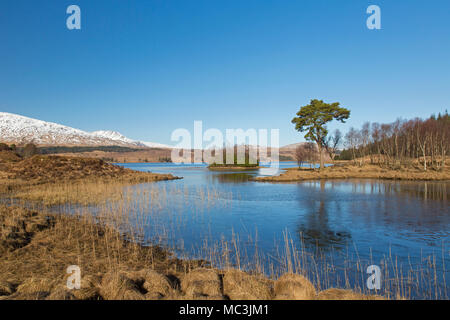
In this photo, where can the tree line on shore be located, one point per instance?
(401, 143)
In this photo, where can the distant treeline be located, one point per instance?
(26, 151)
(285, 158)
(399, 142)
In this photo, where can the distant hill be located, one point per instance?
(292, 146)
(18, 129)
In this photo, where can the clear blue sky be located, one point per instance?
(145, 68)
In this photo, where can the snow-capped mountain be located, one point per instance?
(113, 135)
(19, 129)
(154, 145)
(117, 136)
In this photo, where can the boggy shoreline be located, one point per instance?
(54, 180)
(37, 248)
(350, 171)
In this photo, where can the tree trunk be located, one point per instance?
(424, 159)
(320, 155)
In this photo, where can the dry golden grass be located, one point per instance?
(294, 287)
(351, 171)
(145, 155)
(37, 248)
(343, 294)
(51, 169)
(84, 193)
(200, 283)
(239, 285)
(8, 156)
(55, 180)
(36, 261)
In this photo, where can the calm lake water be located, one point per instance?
(340, 227)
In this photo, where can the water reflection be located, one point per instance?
(231, 177)
(365, 220)
(314, 227)
(421, 190)
(425, 190)
(401, 211)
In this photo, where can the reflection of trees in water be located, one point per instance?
(231, 177)
(314, 229)
(379, 201)
(422, 190)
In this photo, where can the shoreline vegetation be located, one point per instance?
(37, 245)
(403, 150)
(36, 248)
(345, 170)
(53, 180)
(232, 167)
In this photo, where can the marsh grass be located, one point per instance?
(338, 267)
(119, 227)
(422, 280)
(367, 171)
(90, 241)
(56, 180)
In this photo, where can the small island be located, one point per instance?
(247, 162)
(234, 167)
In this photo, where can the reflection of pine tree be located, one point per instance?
(315, 230)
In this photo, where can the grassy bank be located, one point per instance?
(37, 248)
(122, 241)
(55, 180)
(351, 171)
